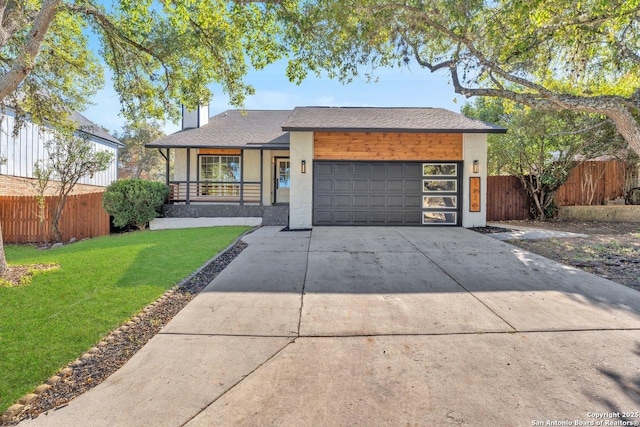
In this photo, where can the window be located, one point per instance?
(450, 185)
(284, 174)
(438, 202)
(439, 218)
(219, 170)
(440, 192)
(440, 169)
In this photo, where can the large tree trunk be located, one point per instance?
(23, 65)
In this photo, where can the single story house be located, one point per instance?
(20, 151)
(330, 166)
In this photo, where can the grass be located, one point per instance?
(100, 284)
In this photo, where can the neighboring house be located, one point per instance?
(19, 153)
(330, 166)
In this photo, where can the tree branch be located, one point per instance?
(596, 104)
(25, 62)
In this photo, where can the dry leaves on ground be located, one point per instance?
(20, 275)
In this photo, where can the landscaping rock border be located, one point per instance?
(119, 346)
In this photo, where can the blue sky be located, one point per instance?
(405, 87)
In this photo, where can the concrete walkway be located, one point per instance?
(530, 233)
(381, 326)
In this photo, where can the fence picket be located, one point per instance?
(591, 183)
(83, 217)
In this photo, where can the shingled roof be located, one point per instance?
(87, 126)
(353, 119)
(233, 128)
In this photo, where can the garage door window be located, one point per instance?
(440, 202)
(440, 169)
(439, 218)
(450, 185)
(440, 194)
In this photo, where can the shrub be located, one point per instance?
(134, 202)
(633, 196)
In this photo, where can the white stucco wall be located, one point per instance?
(474, 147)
(180, 164)
(251, 165)
(301, 199)
(19, 153)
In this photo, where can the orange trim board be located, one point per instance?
(474, 194)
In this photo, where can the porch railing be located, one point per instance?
(215, 192)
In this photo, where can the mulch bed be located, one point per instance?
(117, 348)
(490, 230)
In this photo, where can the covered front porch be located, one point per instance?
(231, 165)
(228, 183)
(255, 176)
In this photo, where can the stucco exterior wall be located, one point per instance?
(251, 165)
(301, 199)
(474, 147)
(180, 165)
(21, 152)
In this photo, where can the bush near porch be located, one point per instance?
(100, 284)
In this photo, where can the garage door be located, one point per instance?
(386, 193)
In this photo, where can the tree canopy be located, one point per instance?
(551, 54)
(161, 53)
(542, 148)
(136, 161)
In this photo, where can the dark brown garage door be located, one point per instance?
(386, 193)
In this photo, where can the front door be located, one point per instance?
(283, 180)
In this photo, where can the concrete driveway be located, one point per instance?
(382, 326)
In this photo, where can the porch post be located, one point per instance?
(188, 201)
(261, 174)
(241, 177)
(167, 166)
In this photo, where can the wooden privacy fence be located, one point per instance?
(591, 183)
(506, 199)
(83, 217)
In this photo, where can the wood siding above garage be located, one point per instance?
(387, 146)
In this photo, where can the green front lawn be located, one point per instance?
(100, 284)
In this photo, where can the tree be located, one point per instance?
(542, 148)
(161, 54)
(70, 158)
(135, 160)
(549, 54)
